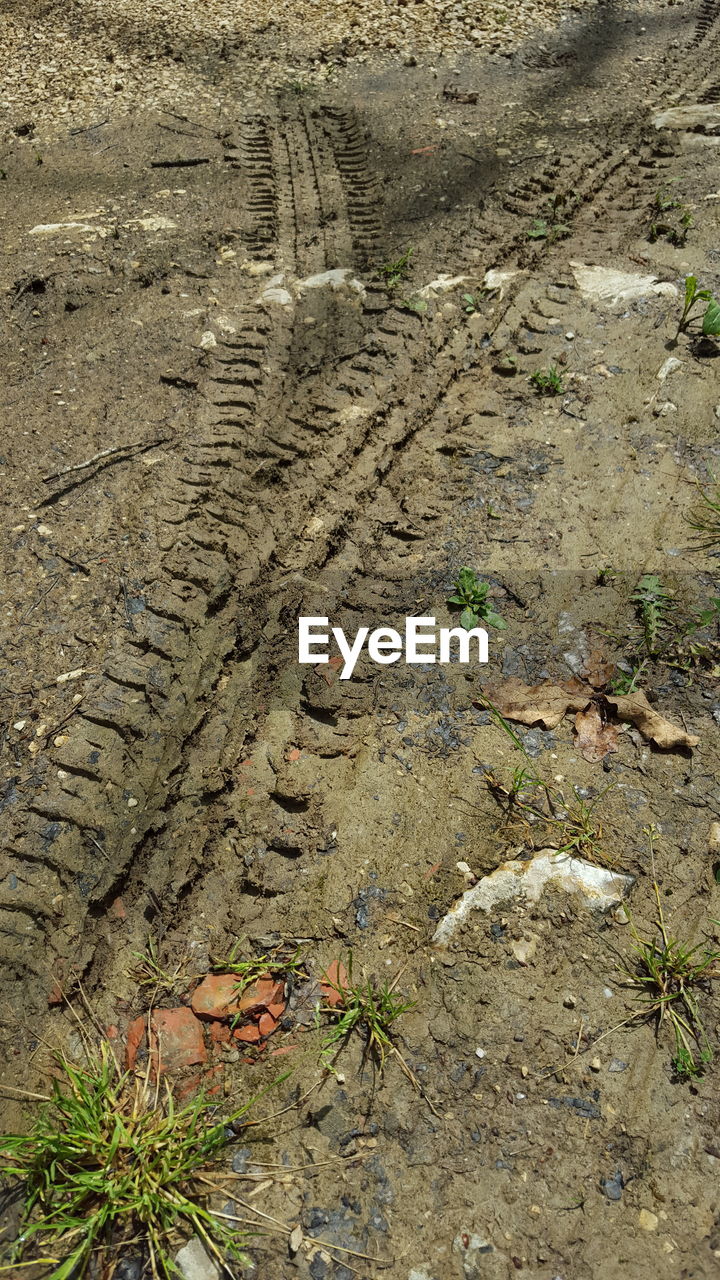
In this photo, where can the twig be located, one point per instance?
(104, 453)
(40, 598)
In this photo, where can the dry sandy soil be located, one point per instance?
(267, 445)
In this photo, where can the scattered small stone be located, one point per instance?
(193, 1262)
(524, 949)
(618, 1065)
(612, 1188)
(647, 1221)
(669, 366)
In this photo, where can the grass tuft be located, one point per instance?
(110, 1162)
(705, 518)
(370, 1008)
(665, 977)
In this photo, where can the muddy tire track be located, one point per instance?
(306, 417)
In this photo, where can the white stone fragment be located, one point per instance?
(703, 116)
(667, 367)
(605, 284)
(525, 881)
(194, 1263)
(443, 284)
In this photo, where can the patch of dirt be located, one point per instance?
(265, 442)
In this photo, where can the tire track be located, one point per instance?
(316, 438)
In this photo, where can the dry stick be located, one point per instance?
(263, 1120)
(40, 598)
(104, 453)
(325, 1244)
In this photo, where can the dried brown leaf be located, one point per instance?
(598, 670)
(635, 708)
(547, 703)
(544, 704)
(595, 737)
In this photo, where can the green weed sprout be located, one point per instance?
(372, 1009)
(530, 797)
(705, 519)
(666, 974)
(395, 272)
(548, 382)
(470, 595)
(652, 602)
(711, 316)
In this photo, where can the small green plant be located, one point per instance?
(393, 273)
(550, 227)
(471, 304)
(705, 519)
(372, 1009)
(108, 1161)
(470, 595)
(653, 603)
(666, 977)
(627, 681)
(276, 964)
(148, 972)
(532, 799)
(675, 227)
(548, 382)
(418, 305)
(689, 649)
(711, 315)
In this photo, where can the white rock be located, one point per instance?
(51, 228)
(280, 296)
(662, 410)
(647, 1221)
(605, 284)
(495, 280)
(155, 222)
(704, 116)
(208, 340)
(274, 292)
(670, 365)
(525, 881)
(194, 1263)
(336, 279)
(253, 268)
(443, 284)
(524, 949)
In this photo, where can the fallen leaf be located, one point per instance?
(595, 737)
(544, 704)
(598, 671)
(635, 708)
(547, 703)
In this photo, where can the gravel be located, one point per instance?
(67, 62)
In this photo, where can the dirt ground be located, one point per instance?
(206, 437)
